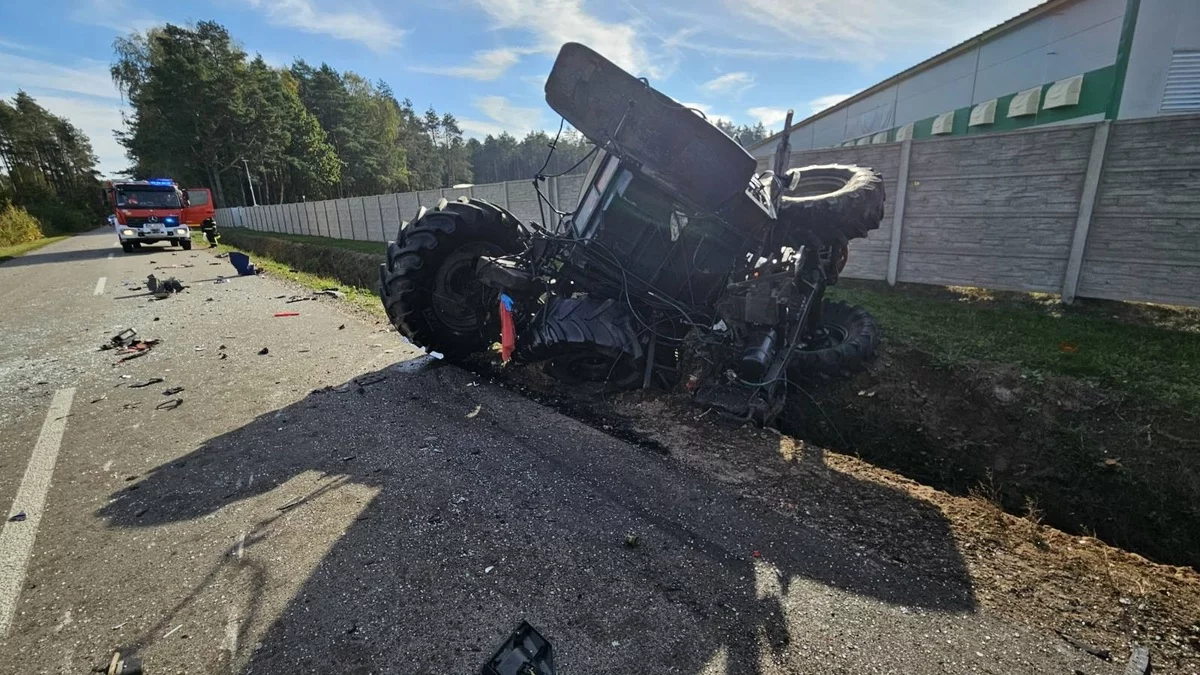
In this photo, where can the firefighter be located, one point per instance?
(209, 228)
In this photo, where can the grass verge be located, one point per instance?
(1146, 350)
(369, 247)
(9, 252)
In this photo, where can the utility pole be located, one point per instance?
(253, 201)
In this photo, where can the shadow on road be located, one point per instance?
(490, 509)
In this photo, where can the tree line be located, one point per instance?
(47, 167)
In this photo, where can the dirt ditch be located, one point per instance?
(1056, 450)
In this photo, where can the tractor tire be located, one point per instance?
(428, 284)
(853, 337)
(584, 340)
(832, 201)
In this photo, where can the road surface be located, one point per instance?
(342, 505)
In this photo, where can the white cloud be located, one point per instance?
(867, 31)
(502, 116)
(83, 93)
(553, 22)
(729, 82)
(828, 101)
(116, 15)
(363, 25)
(88, 76)
(487, 65)
(768, 116)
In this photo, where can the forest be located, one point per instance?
(206, 113)
(47, 170)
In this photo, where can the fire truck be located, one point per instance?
(156, 210)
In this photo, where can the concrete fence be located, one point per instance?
(1095, 210)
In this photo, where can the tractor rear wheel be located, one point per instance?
(584, 340)
(428, 284)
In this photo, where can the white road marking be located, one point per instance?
(16, 539)
(100, 286)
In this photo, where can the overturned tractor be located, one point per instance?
(679, 266)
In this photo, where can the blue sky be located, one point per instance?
(485, 61)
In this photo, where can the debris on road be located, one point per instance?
(102, 398)
(1100, 653)
(299, 298)
(18, 517)
(475, 413)
(147, 383)
(172, 391)
(1139, 661)
(136, 350)
(264, 351)
(222, 255)
(122, 339)
(163, 288)
(331, 292)
(342, 327)
(632, 541)
(241, 263)
(169, 405)
(368, 380)
(118, 665)
(279, 314)
(221, 280)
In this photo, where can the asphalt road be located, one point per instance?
(404, 521)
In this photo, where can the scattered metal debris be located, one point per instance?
(1139, 661)
(172, 391)
(169, 405)
(147, 383)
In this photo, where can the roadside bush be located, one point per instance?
(60, 218)
(352, 268)
(17, 226)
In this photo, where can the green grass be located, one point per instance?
(10, 252)
(1146, 350)
(375, 247)
(361, 298)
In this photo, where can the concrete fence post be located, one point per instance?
(507, 202)
(1087, 203)
(893, 268)
(552, 189)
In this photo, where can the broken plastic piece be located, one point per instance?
(19, 517)
(508, 329)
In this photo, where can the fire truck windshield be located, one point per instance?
(147, 199)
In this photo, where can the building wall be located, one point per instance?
(1078, 39)
(1163, 27)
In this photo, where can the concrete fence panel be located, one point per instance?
(429, 198)
(409, 205)
(343, 222)
(1144, 240)
(452, 194)
(374, 212)
(523, 202)
(492, 192)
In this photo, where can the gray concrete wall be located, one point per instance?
(1007, 211)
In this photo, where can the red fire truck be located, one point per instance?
(150, 211)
